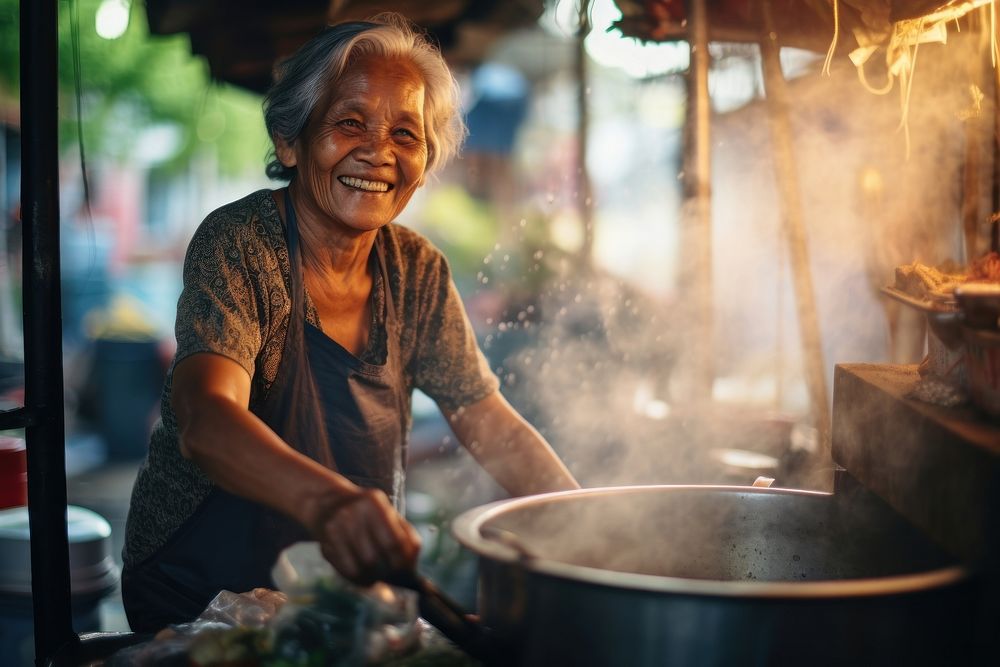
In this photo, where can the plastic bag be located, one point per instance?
(232, 628)
(316, 618)
(330, 621)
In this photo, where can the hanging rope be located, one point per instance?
(906, 89)
(74, 30)
(993, 33)
(867, 86)
(833, 43)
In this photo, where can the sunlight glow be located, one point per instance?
(639, 60)
(610, 48)
(112, 19)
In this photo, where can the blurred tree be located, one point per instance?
(138, 81)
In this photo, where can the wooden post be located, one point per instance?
(786, 176)
(695, 279)
(972, 128)
(995, 154)
(584, 194)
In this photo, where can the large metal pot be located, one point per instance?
(712, 575)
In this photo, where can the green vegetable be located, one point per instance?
(331, 631)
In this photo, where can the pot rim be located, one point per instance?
(466, 529)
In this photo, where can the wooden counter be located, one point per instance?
(939, 467)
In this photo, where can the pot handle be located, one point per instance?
(763, 482)
(509, 540)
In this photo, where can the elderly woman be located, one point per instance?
(306, 320)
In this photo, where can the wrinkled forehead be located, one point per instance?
(385, 73)
(372, 78)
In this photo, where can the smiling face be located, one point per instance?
(364, 151)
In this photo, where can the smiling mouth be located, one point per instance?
(362, 184)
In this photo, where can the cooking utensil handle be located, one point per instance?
(426, 589)
(441, 611)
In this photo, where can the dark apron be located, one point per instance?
(230, 543)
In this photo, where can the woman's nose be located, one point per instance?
(375, 149)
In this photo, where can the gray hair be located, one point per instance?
(302, 79)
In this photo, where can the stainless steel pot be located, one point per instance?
(711, 575)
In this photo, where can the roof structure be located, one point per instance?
(807, 24)
(242, 39)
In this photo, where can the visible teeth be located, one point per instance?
(361, 184)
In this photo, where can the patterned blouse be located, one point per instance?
(235, 302)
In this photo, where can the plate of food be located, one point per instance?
(926, 288)
(932, 290)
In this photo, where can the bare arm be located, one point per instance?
(509, 448)
(241, 454)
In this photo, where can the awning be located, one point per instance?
(806, 24)
(242, 40)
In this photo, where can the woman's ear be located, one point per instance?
(284, 152)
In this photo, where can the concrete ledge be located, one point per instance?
(938, 467)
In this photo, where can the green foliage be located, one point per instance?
(135, 82)
(10, 42)
(463, 227)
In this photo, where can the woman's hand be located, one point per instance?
(364, 537)
(358, 530)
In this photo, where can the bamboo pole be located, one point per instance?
(791, 209)
(994, 229)
(972, 129)
(695, 279)
(584, 194)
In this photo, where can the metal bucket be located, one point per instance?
(982, 358)
(93, 576)
(711, 575)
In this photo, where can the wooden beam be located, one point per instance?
(786, 176)
(695, 279)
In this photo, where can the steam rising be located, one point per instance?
(590, 358)
(709, 534)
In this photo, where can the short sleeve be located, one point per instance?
(218, 307)
(449, 366)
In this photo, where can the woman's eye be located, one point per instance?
(350, 122)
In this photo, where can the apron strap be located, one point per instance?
(391, 342)
(292, 402)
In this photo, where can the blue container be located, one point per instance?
(129, 378)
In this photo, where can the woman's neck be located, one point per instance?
(327, 248)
